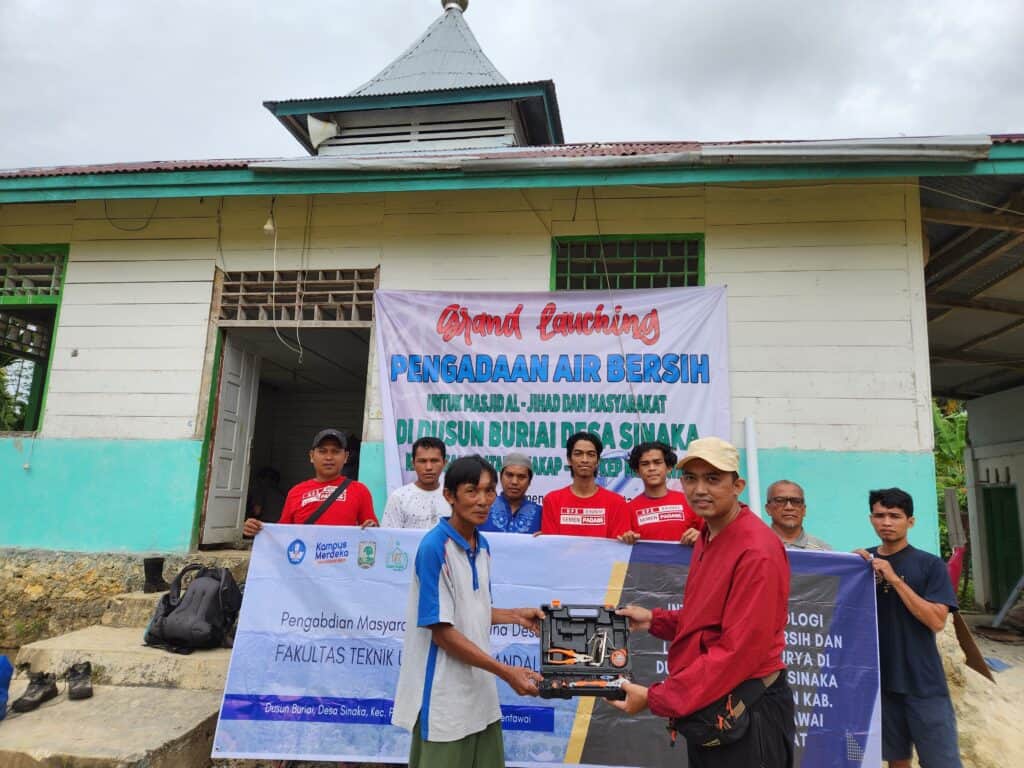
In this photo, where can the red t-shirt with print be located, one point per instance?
(601, 515)
(663, 519)
(353, 507)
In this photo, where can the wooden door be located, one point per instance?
(232, 443)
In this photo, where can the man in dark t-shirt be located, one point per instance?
(915, 597)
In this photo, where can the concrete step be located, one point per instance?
(118, 727)
(132, 609)
(119, 658)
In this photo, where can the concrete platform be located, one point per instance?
(132, 609)
(155, 728)
(119, 658)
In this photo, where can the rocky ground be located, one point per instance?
(989, 715)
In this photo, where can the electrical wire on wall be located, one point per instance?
(307, 237)
(272, 222)
(146, 223)
(852, 185)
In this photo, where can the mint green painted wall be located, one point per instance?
(836, 484)
(371, 474)
(98, 495)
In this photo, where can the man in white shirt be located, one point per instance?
(420, 504)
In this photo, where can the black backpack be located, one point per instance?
(204, 617)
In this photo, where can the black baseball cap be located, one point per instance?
(333, 434)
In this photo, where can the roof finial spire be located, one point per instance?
(460, 4)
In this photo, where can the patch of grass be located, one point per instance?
(27, 630)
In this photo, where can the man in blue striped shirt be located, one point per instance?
(447, 695)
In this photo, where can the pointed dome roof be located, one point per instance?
(446, 56)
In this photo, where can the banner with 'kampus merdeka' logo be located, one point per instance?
(319, 648)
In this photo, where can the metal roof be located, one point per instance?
(138, 167)
(622, 153)
(613, 149)
(446, 56)
(974, 281)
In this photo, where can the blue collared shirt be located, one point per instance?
(526, 520)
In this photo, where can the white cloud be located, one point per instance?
(185, 79)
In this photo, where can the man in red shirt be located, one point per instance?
(584, 508)
(731, 628)
(353, 507)
(658, 514)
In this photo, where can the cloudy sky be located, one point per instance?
(119, 80)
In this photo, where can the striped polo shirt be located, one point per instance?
(451, 585)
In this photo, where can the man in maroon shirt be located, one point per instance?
(584, 508)
(353, 507)
(731, 627)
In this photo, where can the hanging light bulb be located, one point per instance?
(270, 227)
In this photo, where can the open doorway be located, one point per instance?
(294, 356)
(271, 402)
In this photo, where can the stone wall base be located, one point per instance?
(44, 593)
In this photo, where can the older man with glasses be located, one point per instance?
(787, 508)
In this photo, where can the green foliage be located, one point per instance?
(949, 422)
(9, 411)
(12, 395)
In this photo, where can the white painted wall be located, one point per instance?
(996, 419)
(131, 336)
(827, 326)
(826, 294)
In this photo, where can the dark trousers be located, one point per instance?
(768, 743)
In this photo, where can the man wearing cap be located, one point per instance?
(787, 507)
(726, 642)
(512, 512)
(354, 506)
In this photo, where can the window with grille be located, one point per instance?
(31, 277)
(592, 263)
(307, 296)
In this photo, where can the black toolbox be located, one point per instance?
(584, 651)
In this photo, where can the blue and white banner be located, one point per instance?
(492, 373)
(319, 645)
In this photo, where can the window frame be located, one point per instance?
(599, 240)
(37, 400)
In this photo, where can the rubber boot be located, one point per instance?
(154, 567)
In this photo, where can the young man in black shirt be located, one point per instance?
(915, 597)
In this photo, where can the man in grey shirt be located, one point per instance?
(787, 508)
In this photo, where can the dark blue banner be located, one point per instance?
(831, 658)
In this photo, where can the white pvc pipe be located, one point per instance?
(753, 474)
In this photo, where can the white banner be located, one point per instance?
(492, 373)
(319, 644)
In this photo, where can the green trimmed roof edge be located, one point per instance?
(148, 185)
